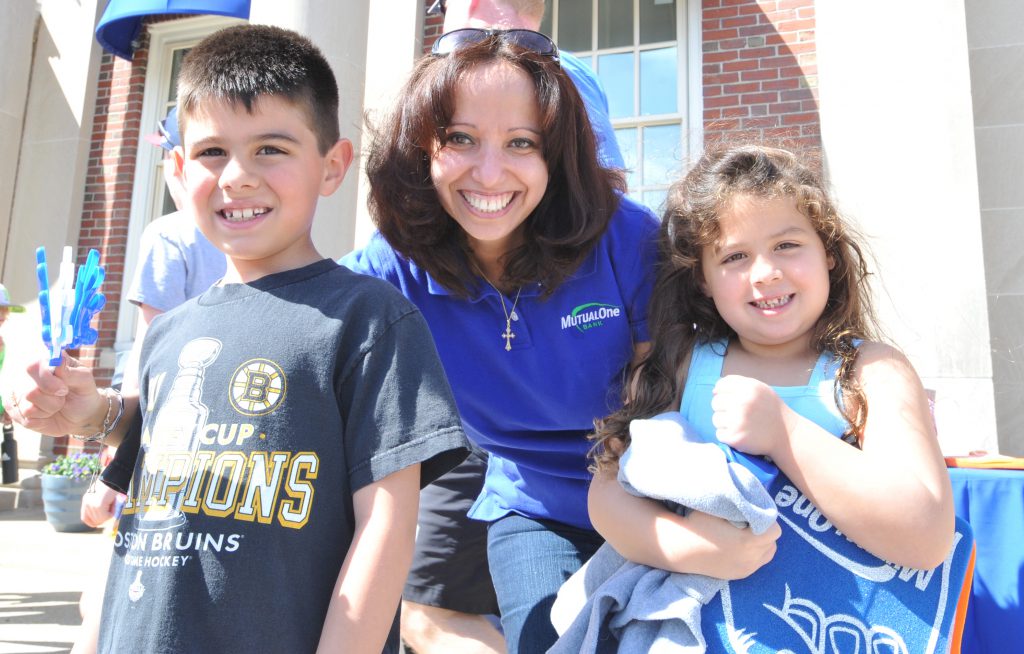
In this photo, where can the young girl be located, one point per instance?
(763, 292)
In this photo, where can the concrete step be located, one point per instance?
(24, 494)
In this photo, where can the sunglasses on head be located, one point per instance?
(526, 39)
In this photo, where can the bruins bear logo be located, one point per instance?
(257, 387)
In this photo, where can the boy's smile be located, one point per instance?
(252, 181)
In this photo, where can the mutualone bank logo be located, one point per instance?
(590, 315)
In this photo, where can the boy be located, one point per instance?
(290, 414)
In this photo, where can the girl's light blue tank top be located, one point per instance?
(815, 401)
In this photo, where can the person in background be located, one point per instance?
(176, 263)
(6, 307)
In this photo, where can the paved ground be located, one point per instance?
(42, 575)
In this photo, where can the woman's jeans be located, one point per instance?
(529, 560)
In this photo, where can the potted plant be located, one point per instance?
(64, 482)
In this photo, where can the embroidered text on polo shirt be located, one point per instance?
(590, 315)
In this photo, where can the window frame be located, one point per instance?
(689, 96)
(148, 187)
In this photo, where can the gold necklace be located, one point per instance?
(508, 335)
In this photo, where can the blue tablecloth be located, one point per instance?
(992, 501)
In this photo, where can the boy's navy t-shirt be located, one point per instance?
(266, 406)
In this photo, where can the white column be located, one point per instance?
(897, 127)
(396, 30)
(46, 113)
(369, 45)
(16, 32)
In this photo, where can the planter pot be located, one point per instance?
(62, 502)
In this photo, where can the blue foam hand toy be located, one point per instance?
(44, 299)
(88, 301)
(67, 310)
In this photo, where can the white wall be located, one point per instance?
(898, 133)
(398, 27)
(339, 30)
(46, 115)
(996, 40)
(52, 140)
(16, 37)
(367, 73)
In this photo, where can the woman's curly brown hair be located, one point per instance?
(570, 219)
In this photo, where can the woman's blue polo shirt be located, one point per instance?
(532, 407)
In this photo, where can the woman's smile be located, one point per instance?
(488, 167)
(487, 203)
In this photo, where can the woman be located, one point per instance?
(533, 272)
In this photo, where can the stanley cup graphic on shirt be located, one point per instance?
(174, 437)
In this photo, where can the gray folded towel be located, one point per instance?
(615, 605)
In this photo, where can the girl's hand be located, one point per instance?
(729, 552)
(58, 401)
(749, 416)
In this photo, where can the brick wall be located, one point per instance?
(432, 27)
(109, 183)
(760, 71)
(106, 208)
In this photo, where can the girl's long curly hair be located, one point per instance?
(681, 315)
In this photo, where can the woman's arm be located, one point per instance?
(892, 497)
(645, 531)
(369, 585)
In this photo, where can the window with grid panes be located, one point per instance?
(635, 48)
(164, 204)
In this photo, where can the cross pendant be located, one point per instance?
(508, 335)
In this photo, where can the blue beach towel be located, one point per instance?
(821, 594)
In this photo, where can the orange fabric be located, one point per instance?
(960, 617)
(985, 461)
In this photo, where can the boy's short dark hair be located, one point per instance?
(244, 62)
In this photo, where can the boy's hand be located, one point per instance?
(98, 505)
(732, 552)
(749, 416)
(58, 401)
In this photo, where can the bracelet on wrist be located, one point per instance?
(108, 424)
